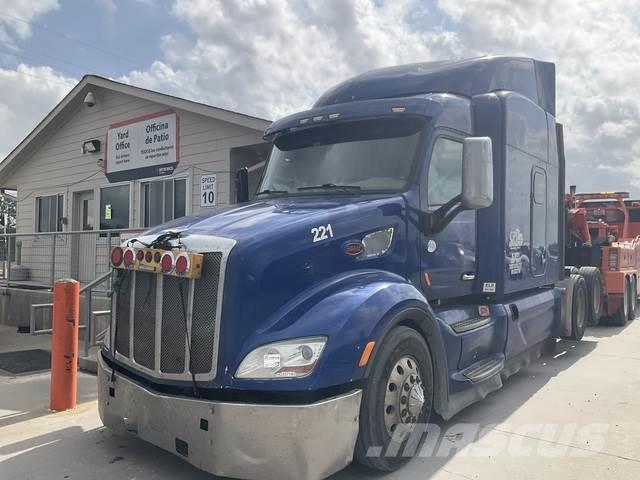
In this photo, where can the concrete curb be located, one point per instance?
(88, 364)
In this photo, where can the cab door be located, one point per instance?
(448, 258)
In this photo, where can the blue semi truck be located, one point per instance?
(402, 257)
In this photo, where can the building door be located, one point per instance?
(83, 243)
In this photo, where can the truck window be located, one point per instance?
(370, 155)
(538, 222)
(445, 172)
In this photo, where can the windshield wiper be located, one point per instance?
(333, 186)
(272, 192)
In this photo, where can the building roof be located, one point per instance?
(76, 96)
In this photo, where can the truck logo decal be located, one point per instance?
(322, 232)
(353, 248)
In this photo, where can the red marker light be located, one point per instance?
(116, 256)
(128, 257)
(166, 263)
(156, 257)
(148, 256)
(182, 264)
(140, 255)
(353, 249)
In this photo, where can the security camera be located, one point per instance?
(90, 100)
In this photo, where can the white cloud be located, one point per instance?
(27, 94)
(270, 58)
(16, 17)
(273, 57)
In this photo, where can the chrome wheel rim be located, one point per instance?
(404, 397)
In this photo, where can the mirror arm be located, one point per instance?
(440, 218)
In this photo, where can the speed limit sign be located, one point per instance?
(208, 190)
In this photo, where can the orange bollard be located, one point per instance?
(64, 344)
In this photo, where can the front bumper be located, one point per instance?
(238, 440)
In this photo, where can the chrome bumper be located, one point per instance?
(249, 441)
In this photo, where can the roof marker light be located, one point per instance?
(333, 116)
(303, 121)
(318, 118)
(398, 109)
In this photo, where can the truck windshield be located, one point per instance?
(362, 156)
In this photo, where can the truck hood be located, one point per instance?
(261, 218)
(278, 259)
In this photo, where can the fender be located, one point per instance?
(351, 309)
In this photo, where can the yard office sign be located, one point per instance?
(143, 147)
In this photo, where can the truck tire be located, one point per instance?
(397, 398)
(579, 306)
(619, 319)
(633, 297)
(593, 279)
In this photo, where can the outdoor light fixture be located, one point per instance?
(92, 146)
(90, 99)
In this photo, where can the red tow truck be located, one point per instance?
(603, 243)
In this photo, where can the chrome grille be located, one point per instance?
(123, 302)
(203, 325)
(175, 293)
(144, 319)
(151, 328)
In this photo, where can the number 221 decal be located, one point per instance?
(322, 232)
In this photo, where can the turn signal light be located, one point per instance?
(129, 257)
(182, 264)
(116, 256)
(166, 263)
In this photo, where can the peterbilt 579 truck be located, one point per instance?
(402, 257)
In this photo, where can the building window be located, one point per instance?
(163, 200)
(49, 213)
(114, 207)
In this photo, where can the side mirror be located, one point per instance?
(477, 173)
(242, 185)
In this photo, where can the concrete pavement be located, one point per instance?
(574, 415)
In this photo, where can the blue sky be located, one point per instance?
(273, 57)
(91, 36)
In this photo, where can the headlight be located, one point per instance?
(289, 359)
(377, 243)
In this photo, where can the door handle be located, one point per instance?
(468, 276)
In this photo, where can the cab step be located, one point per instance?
(483, 369)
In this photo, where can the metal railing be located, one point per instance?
(94, 332)
(38, 259)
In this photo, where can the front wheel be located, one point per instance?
(397, 401)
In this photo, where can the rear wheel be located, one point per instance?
(593, 280)
(579, 305)
(397, 399)
(620, 317)
(633, 297)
